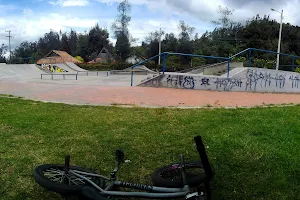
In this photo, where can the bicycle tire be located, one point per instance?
(194, 179)
(61, 188)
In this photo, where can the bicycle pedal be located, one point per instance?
(192, 195)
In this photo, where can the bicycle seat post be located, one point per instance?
(67, 163)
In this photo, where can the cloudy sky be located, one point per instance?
(30, 19)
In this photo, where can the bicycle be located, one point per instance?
(171, 181)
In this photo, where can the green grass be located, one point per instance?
(255, 152)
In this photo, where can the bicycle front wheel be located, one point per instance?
(55, 178)
(170, 176)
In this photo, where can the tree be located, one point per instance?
(72, 42)
(82, 46)
(50, 41)
(120, 28)
(3, 50)
(152, 41)
(224, 19)
(170, 43)
(65, 42)
(186, 31)
(97, 39)
(25, 53)
(185, 40)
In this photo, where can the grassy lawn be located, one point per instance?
(255, 152)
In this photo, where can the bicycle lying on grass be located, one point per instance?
(172, 181)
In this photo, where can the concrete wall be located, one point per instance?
(253, 80)
(213, 69)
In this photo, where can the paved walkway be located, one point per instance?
(140, 96)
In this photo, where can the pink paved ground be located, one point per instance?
(141, 96)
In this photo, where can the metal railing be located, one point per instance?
(63, 75)
(92, 72)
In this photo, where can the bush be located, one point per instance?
(261, 63)
(297, 70)
(104, 66)
(79, 58)
(172, 67)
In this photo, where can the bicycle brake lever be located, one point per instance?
(192, 195)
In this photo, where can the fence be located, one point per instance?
(249, 51)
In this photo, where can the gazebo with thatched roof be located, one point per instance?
(55, 57)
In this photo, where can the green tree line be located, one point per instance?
(226, 39)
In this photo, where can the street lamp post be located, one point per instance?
(159, 46)
(279, 40)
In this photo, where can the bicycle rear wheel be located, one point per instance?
(170, 176)
(55, 178)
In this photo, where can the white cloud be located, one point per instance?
(27, 12)
(163, 13)
(7, 7)
(31, 27)
(69, 3)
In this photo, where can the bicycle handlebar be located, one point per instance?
(203, 157)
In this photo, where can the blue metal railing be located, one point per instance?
(249, 50)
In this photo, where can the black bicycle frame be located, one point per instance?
(164, 192)
(153, 192)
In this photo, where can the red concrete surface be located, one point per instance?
(141, 96)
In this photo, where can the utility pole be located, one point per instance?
(159, 46)
(9, 36)
(279, 40)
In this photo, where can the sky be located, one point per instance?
(30, 19)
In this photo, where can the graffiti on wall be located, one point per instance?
(187, 82)
(251, 80)
(228, 84)
(263, 79)
(295, 81)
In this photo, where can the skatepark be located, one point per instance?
(113, 88)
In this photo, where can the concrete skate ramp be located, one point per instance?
(28, 70)
(243, 80)
(65, 67)
(234, 72)
(220, 68)
(142, 68)
(75, 67)
(196, 70)
(212, 69)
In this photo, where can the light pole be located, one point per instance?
(159, 46)
(279, 40)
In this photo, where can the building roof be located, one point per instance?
(55, 57)
(104, 54)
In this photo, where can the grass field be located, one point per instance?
(255, 152)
